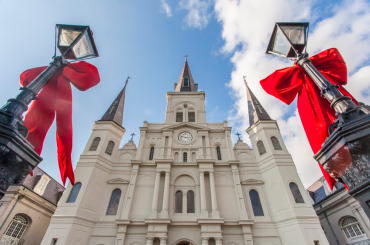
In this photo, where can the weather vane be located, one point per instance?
(238, 135)
(132, 136)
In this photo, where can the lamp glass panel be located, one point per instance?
(281, 44)
(294, 33)
(67, 36)
(83, 47)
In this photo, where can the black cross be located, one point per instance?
(238, 135)
(245, 80)
(186, 56)
(132, 136)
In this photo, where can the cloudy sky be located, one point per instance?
(226, 39)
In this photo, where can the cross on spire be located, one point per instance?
(238, 135)
(186, 56)
(245, 80)
(132, 136)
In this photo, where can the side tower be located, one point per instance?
(80, 207)
(288, 206)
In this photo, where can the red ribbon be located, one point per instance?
(315, 112)
(56, 99)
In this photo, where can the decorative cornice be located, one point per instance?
(118, 181)
(252, 182)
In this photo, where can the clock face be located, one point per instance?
(185, 137)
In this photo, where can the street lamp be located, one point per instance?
(345, 154)
(17, 157)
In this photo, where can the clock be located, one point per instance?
(185, 137)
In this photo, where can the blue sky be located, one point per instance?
(147, 40)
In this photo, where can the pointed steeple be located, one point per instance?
(255, 109)
(115, 110)
(186, 81)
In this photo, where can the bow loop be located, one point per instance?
(55, 98)
(315, 112)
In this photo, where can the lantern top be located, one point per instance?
(288, 39)
(76, 42)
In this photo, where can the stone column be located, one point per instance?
(184, 202)
(218, 240)
(141, 142)
(166, 194)
(208, 148)
(149, 240)
(215, 213)
(203, 205)
(239, 193)
(155, 195)
(163, 241)
(205, 240)
(130, 191)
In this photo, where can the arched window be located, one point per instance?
(176, 156)
(74, 193)
(95, 144)
(178, 202)
(296, 193)
(151, 153)
(110, 147)
(178, 116)
(191, 116)
(256, 203)
(275, 143)
(218, 150)
(16, 229)
(351, 228)
(186, 82)
(261, 147)
(185, 158)
(190, 202)
(114, 202)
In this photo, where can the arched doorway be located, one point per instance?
(184, 241)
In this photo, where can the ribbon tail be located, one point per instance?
(64, 134)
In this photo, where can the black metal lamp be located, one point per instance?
(17, 157)
(289, 39)
(76, 42)
(345, 154)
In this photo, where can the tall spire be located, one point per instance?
(115, 110)
(256, 110)
(186, 81)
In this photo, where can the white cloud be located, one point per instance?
(166, 8)
(247, 27)
(198, 12)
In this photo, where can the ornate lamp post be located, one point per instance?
(345, 154)
(17, 157)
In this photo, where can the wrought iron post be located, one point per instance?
(345, 154)
(17, 157)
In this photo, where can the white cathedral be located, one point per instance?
(185, 183)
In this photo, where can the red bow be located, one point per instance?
(315, 111)
(56, 98)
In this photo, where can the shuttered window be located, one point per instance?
(95, 144)
(191, 116)
(275, 143)
(178, 116)
(109, 149)
(261, 147)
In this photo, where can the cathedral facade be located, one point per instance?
(185, 183)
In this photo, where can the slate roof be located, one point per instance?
(53, 191)
(317, 191)
(255, 109)
(185, 72)
(115, 110)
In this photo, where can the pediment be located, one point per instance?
(185, 124)
(252, 182)
(118, 181)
